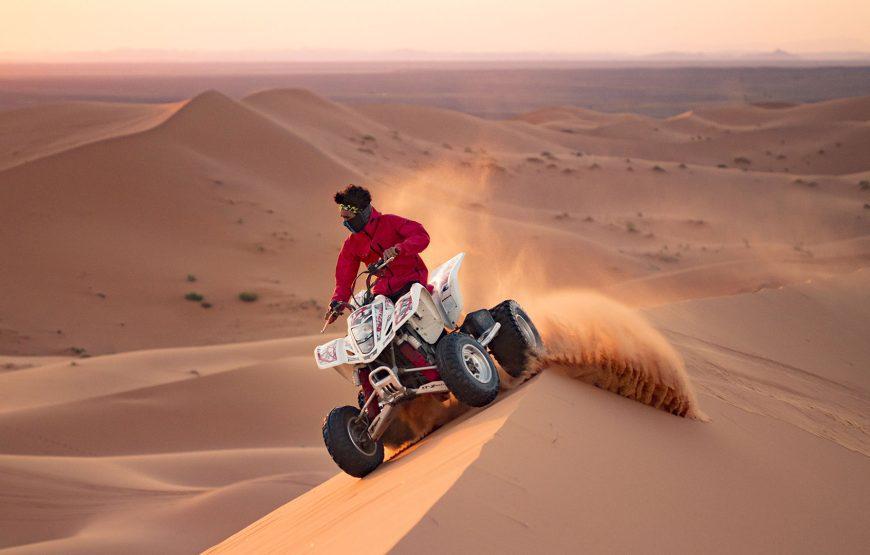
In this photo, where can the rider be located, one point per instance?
(375, 236)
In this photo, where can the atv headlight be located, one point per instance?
(364, 337)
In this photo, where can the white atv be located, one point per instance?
(398, 351)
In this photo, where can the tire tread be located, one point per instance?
(508, 346)
(341, 450)
(463, 386)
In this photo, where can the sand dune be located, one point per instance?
(796, 354)
(570, 468)
(31, 133)
(824, 138)
(172, 435)
(450, 130)
(114, 228)
(86, 472)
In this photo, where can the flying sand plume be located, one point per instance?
(601, 342)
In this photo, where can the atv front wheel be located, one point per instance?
(347, 439)
(517, 339)
(467, 369)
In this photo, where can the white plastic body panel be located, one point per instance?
(446, 294)
(356, 347)
(418, 310)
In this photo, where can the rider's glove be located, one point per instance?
(334, 311)
(391, 252)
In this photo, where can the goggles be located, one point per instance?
(349, 208)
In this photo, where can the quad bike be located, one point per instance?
(398, 351)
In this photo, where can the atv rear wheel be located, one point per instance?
(467, 369)
(517, 340)
(347, 439)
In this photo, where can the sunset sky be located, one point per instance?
(34, 28)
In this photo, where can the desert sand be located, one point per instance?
(720, 254)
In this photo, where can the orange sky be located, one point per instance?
(580, 26)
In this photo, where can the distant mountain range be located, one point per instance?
(777, 56)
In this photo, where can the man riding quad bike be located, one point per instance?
(404, 335)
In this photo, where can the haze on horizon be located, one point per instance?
(38, 30)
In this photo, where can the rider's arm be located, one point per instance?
(345, 271)
(414, 237)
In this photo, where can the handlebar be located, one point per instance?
(372, 270)
(379, 265)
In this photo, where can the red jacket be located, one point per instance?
(382, 232)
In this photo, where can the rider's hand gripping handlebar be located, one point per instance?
(379, 265)
(337, 307)
(334, 311)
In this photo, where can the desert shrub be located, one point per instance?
(191, 278)
(205, 305)
(865, 185)
(367, 138)
(534, 160)
(630, 227)
(659, 169)
(595, 166)
(248, 297)
(194, 296)
(742, 160)
(562, 216)
(682, 166)
(722, 166)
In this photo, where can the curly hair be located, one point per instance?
(354, 196)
